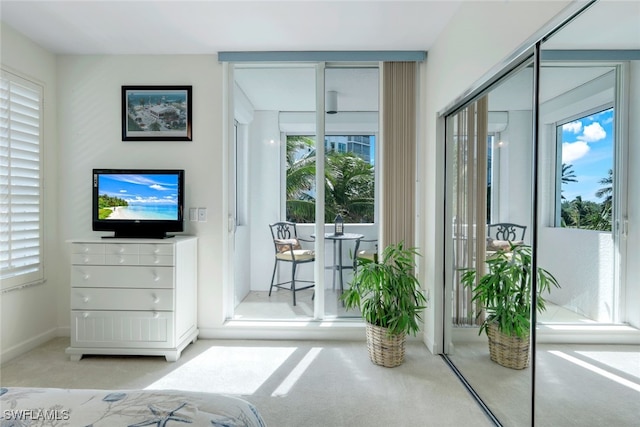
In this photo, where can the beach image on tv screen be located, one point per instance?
(139, 196)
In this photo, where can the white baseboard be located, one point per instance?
(565, 334)
(267, 330)
(31, 343)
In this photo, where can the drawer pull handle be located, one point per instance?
(156, 260)
(85, 299)
(121, 260)
(156, 250)
(85, 249)
(86, 260)
(85, 314)
(156, 314)
(156, 299)
(156, 278)
(121, 250)
(86, 276)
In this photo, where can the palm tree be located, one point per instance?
(349, 187)
(300, 178)
(568, 175)
(604, 222)
(607, 191)
(349, 183)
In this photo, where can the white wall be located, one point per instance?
(265, 168)
(88, 110)
(514, 186)
(582, 261)
(632, 296)
(89, 113)
(469, 47)
(30, 316)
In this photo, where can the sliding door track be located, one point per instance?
(470, 389)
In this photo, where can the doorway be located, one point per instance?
(275, 173)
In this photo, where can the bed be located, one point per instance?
(133, 408)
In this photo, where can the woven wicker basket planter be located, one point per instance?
(385, 350)
(508, 351)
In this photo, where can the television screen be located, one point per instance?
(138, 203)
(138, 196)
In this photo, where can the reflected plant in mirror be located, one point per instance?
(504, 295)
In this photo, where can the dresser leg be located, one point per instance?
(172, 357)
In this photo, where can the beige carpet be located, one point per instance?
(581, 385)
(293, 383)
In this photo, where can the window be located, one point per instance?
(350, 178)
(20, 181)
(585, 169)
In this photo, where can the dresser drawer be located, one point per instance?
(155, 259)
(121, 248)
(87, 248)
(121, 299)
(155, 249)
(125, 329)
(88, 259)
(122, 259)
(102, 276)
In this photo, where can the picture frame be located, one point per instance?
(156, 113)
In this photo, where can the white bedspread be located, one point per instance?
(132, 408)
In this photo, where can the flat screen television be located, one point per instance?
(138, 203)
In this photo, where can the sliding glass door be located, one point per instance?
(291, 163)
(273, 180)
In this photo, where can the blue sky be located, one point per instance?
(149, 189)
(587, 144)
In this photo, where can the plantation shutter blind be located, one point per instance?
(20, 182)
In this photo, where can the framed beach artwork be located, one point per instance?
(156, 113)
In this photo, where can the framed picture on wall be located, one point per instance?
(156, 113)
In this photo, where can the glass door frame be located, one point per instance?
(231, 205)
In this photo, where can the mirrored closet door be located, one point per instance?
(489, 183)
(578, 218)
(588, 343)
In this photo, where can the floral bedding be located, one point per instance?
(131, 408)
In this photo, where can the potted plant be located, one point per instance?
(504, 295)
(390, 300)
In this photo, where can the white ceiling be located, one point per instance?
(292, 88)
(609, 24)
(210, 26)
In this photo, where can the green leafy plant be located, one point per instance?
(387, 292)
(505, 291)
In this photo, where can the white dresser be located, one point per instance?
(133, 296)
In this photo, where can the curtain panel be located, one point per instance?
(399, 124)
(468, 136)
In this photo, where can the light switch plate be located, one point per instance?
(193, 214)
(202, 214)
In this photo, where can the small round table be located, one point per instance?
(337, 262)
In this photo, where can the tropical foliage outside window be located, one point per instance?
(349, 182)
(586, 146)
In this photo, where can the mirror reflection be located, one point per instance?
(587, 347)
(588, 343)
(490, 184)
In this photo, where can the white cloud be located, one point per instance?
(572, 151)
(158, 187)
(574, 127)
(592, 133)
